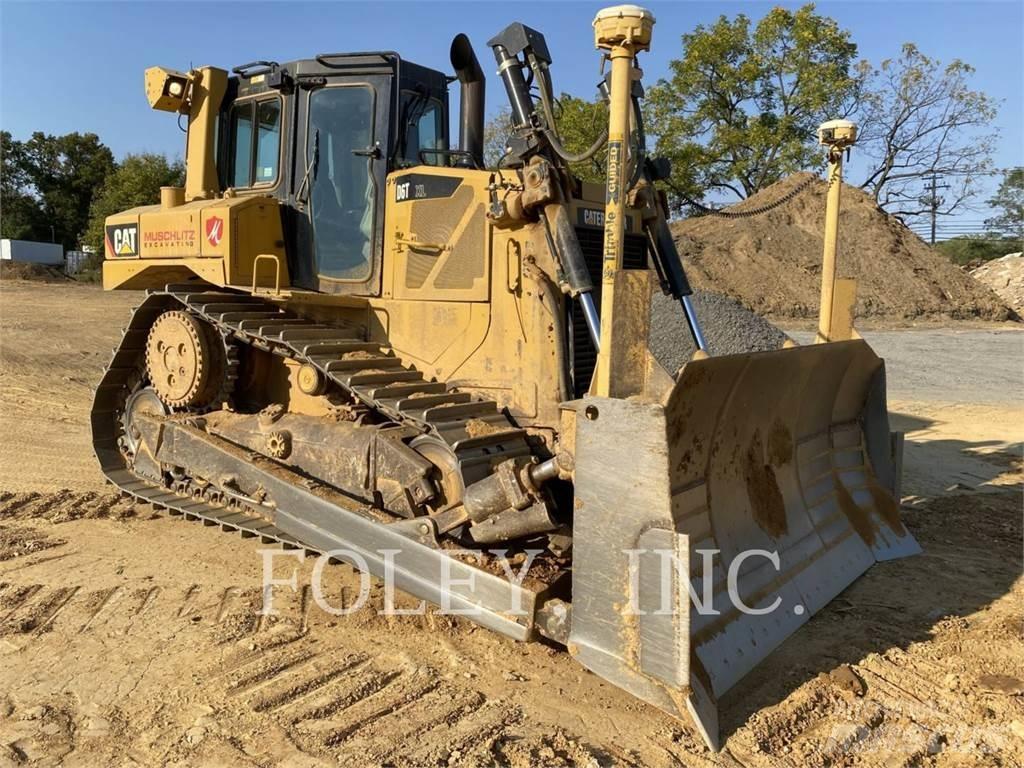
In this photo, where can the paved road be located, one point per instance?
(949, 366)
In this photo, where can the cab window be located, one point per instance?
(424, 130)
(255, 136)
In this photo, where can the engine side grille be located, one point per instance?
(584, 356)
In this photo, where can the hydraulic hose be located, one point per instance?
(566, 155)
(550, 133)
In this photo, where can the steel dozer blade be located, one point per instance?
(710, 526)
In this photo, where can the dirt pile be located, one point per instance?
(771, 263)
(729, 328)
(39, 273)
(1005, 276)
(26, 541)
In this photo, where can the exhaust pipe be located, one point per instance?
(471, 98)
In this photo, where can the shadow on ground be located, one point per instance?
(972, 557)
(935, 466)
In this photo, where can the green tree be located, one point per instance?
(1009, 202)
(919, 118)
(579, 123)
(496, 133)
(51, 184)
(741, 108)
(20, 214)
(973, 249)
(136, 181)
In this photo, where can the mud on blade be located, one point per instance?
(758, 490)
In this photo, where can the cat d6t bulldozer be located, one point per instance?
(358, 339)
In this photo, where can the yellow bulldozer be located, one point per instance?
(357, 339)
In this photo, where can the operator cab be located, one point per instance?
(321, 135)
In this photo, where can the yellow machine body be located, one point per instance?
(465, 300)
(215, 240)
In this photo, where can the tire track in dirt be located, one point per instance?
(354, 696)
(359, 709)
(23, 541)
(64, 505)
(36, 614)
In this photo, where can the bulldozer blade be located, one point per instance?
(710, 526)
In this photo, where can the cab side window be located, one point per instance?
(255, 137)
(424, 130)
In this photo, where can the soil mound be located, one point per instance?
(39, 273)
(1005, 276)
(771, 262)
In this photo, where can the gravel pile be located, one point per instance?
(1005, 276)
(729, 327)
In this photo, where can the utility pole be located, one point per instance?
(933, 202)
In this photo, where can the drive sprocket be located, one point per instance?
(185, 360)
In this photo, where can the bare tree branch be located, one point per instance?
(920, 119)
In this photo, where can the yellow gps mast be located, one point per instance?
(838, 136)
(622, 31)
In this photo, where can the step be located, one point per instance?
(383, 377)
(460, 412)
(416, 407)
(329, 350)
(218, 308)
(397, 392)
(505, 439)
(359, 363)
(208, 297)
(234, 318)
(271, 326)
(432, 401)
(315, 333)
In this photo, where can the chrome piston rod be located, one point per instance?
(593, 319)
(691, 320)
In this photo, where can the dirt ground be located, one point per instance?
(128, 637)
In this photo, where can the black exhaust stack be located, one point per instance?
(471, 99)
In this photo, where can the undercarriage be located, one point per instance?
(226, 408)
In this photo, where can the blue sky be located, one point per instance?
(78, 66)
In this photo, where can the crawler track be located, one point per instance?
(367, 371)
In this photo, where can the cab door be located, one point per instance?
(338, 181)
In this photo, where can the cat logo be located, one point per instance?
(122, 239)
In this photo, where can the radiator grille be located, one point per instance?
(584, 356)
(418, 266)
(435, 221)
(465, 264)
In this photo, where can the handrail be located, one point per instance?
(245, 70)
(388, 57)
(277, 275)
